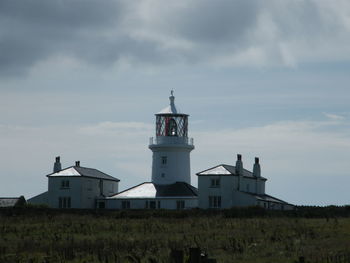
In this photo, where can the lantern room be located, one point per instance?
(169, 122)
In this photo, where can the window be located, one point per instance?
(215, 182)
(101, 205)
(164, 160)
(64, 202)
(163, 175)
(172, 128)
(214, 201)
(64, 184)
(247, 187)
(158, 204)
(180, 204)
(125, 204)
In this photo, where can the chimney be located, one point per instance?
(256, 168)
(57, 165)
(239, 165)
(77, 163)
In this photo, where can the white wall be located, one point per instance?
(165, 203)
(249, 184)
(74, 191)
(275, 206)
(227, 186)
(90, 190)
(178, 168)
(83, 191)
(241, 199)
(261, 186)
(110, 187)
(230, 196)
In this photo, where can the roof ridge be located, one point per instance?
(72, 166)
(210, 169)
(130, 188)
(276, 198)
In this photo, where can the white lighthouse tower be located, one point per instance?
(171, 171)
(171, 147)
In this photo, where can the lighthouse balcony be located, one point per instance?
(172, 140)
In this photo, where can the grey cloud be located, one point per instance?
(159, 32)
(64, 13)
(217, 21)
(34, 30)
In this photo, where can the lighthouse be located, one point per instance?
(170, 187)
(171, 146)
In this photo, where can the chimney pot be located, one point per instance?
(256, 168)
(239, 165)
(57, 165)
(77, 163)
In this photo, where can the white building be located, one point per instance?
(222, 186)
(76, 187)
(148, 195)
(227, 186)
(171, 171)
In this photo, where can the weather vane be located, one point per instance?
(172, 93)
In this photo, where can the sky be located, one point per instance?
(82, 79)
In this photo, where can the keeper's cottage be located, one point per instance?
(226, 186)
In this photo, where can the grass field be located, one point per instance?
(44, 235)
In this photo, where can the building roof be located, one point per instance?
(151, 190)
(224, 169)
(12, 201)
(171, 109)
(269, 198)
(83, 171)
(266, 198)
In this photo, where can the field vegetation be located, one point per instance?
(237, 235)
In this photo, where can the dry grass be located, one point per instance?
(142, 237)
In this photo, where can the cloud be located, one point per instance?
(301, 141)
(154, 32)
(334, 117)
(116, 128)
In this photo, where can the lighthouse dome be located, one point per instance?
(171, 109)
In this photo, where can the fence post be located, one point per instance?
(176, 256)
(195, 255)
